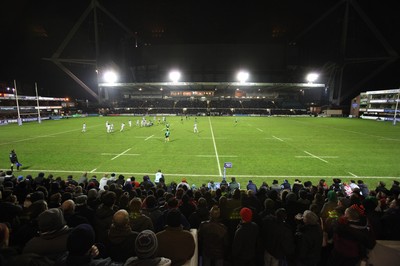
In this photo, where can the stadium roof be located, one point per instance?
(207, 86)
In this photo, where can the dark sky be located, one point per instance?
(33, 30)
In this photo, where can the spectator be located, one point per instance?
(213, 239)
(277, 239)
(286, 185)
(54, 232)
(137, 220)
(120, 243)
(330, 205)
(200, 215)
(233, 185)
(151, 209)
(297, 185)
(82, 208)
(6, 252)
(308, 240)
(275, 186)
(352, 238)
(146, 246)
(104, 214)
(82, 249)
(245, 240)
(183, 242)
(391, 221)
(72, 219)
(251, 186)
(363, 188)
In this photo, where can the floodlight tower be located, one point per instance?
(109, 77)
(174, 75)
(242, 76)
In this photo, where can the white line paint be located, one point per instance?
(206, 175)
(121, 154)
(316, 157)
(259, 129)
(277, 138)
(352, 174)
(215, 147)
(149, 137)
(126, 154)
(388, 139)
(305, 156)
(214, 156)
(93, 170)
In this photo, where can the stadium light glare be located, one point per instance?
(311, 77)
(242, 76)
(110, 77)
(174, 75)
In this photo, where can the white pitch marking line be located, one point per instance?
(352, 174)
(389, 139)
(214, 156)
(126, 154)
(316, 157)
(93, 170)
(209, 175)
(277, 138)
(215, 147)
(121, 154)
(301, 156)
(149, 137)
(259, 129)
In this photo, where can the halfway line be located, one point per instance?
(215, 146)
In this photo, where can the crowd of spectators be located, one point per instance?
(118, 220)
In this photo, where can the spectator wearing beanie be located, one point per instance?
(146, 246)
(244, 244)
(82, 250)
(54, 232)
(175, 243)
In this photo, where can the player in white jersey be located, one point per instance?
(195, 130)
(108, 128)
(130, 123)
(122, 127)
(137, 123)
(84, 127)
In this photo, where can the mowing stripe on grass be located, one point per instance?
(316, 157)
(121, 154)
(215, 147)
(206, 175)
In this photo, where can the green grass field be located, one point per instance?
(259, 148)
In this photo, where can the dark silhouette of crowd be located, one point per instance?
(47, 220)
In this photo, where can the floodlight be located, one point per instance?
(312, 77)
(110, 77)
(242, 76)
(174, 75)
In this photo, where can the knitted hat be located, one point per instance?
(146, 244)
(81, 239)
(246, 214)
(51, 220)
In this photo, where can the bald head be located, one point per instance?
(68, 206)
(121, 219)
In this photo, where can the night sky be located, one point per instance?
(33, 30)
